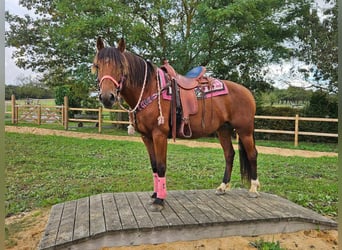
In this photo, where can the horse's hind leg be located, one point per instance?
(248, 162)
(224, 134)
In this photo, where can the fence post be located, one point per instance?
(100, 119)
(66, 112)
(39, 114)
(13, 108)
(62, 114)
(296, 130)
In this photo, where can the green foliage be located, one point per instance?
(234, 39)
(265, 245)
(78, 96)
(307, 126)
(61, 92)
(28, 88)
(321, 104)
(317, 45)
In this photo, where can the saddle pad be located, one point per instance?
(216, 88)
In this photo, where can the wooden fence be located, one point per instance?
(34, 113)
(37, 113)
(296, 131)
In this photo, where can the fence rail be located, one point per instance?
(296, 131)
(64, 119)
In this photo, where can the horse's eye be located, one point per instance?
(94, 68)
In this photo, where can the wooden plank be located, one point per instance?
(237, 201)
(230, 205)
(52, 227)
(205, 205)
(111, 213)
(66, 227)
(180, 210)
(262, 205)
(256, 210)
(97, 221)
(188, 215)
(193, 209)
(170, 215)
(81, 228)
(284, 208)
(210, 201)
(297, 211)
(141, 216)
(125, 212)
(157, 218)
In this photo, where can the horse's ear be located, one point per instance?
(122, 45)
(99, 44)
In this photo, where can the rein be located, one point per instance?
(140, 96)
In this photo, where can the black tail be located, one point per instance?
(245, 167)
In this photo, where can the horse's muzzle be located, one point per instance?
(107, 100)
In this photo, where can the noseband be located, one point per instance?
(117, 84)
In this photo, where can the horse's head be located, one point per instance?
(110, 67)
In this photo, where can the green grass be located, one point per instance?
(265, 245)
(45, 170)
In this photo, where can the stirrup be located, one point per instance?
(183, 128)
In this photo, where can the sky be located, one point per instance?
(277, 72)
(12, 72)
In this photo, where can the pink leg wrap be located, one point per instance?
(155, 182)
(161, 194)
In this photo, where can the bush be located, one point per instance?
(307, 126)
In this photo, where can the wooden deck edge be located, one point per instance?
(189, 233)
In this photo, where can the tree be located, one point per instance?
(28, 88)
(317, 37)
(322, 104)
(234, 39)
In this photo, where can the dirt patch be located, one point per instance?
(189, 143)
(26, 229)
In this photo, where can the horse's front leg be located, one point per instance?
(224, 135)
(157, 147)
(150, 149)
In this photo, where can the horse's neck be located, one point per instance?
(134, 94)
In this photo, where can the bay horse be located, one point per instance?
(122, 74)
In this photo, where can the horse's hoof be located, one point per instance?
(150, 202)
(152, 199)
(253, 191)
(221, 190)
(157, 205)
(253, 194)
(156, 208)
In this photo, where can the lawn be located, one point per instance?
(45, 170)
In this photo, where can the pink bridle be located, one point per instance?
(117, 85)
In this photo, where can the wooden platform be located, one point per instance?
(121, 219)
